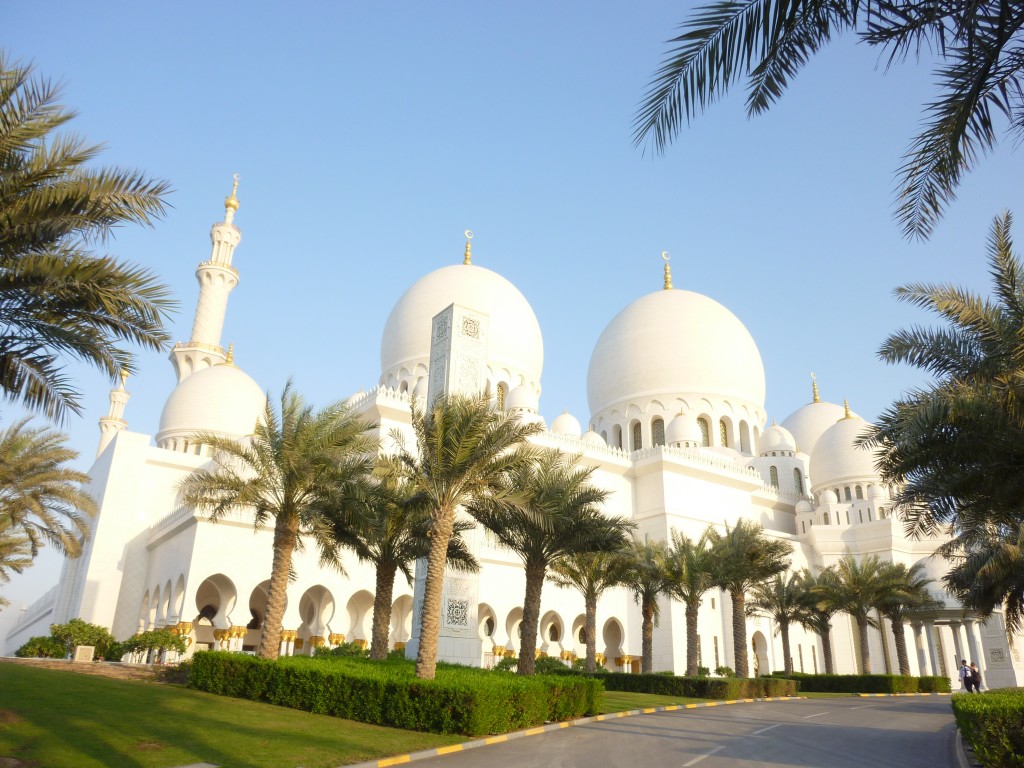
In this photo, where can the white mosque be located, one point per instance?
(677, 433)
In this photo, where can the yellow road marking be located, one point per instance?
(447, 750)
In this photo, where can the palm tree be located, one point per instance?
(856, 588)
(58, 298)
(691, 574)
(551, 512)
(816, 611)
(950, 448)
(648, 577)
(781, 600)
(906, 591)
(41, 495)
(388, 529)
(991, 575)
(297, 468)
(768, 42)
(465, 450)
(593, 574)
(15, 552)
(745, 557)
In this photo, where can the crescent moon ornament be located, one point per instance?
(469, 234)
(666, 255)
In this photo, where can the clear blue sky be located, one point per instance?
(369, 136)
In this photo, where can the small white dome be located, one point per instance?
(808, 423)
(567, 424)
(356, 396)
(222, 399)
(729, 453)
(522, 398)
(828, 496)
(836, 458)
(776, 438)
(674, 344)
(420, 390)
(683, 429)
(875, 492)
(532, 417)
(803, 507)
(514, 342)
(590, 437)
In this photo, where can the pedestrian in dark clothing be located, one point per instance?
(975, 678)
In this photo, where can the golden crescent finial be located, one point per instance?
(467, 257)
(665, 255)
(231, 201)
(846, 409)
(124, 378)
(814, 388)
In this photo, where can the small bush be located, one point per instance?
(346, 651)
(580, 665)
(725, 672)
(703, 672)
(42, 648)
(993, 724)
(697, 687)
(459, 700)
(868, 683)
(79, 632)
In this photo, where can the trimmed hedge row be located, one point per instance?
(993, 724)
(697, 687)
(458, 700)
(868, 683)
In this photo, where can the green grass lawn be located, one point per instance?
(620, 701)
(56, 719)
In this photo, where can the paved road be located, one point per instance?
(820, 733)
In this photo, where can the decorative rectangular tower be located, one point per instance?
(458, 364)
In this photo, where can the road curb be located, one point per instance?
(488, 740)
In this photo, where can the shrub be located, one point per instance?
(869, 683)
(346, 651)
(79, 632)
(703, 672)
(158, 640)
(697, 687)
(42, 648)
(725, 672)
(459, 700)
(993, 724)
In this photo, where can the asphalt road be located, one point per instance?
(823, 733)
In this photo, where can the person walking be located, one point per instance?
(975, 678)
(965, 675)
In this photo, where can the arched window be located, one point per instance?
(553, 633)
(705, 432)
(500, 397)
(825, 518)
(860, 515)
(617, 436)
(773, 472)
(881, 513)
(657, 431)
(744, 437)
(638, 441)
(604, 436)
(846, 494)
(860, 492)
(798, 480)
(837, 493)
(803, 527)
(723, 433)
(847, 517)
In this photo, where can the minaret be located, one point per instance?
(217, 278)
(114, 421)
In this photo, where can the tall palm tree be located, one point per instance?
(780, 599)
(745, 557)
(41, 495)
(648, 577)
(691, 566)
(297, 467)
(15, 552)
(465, 450)
(389, 529)
(950, 448)
(906, 591)
(816, 611)
(58, 298)
(856, 588)
(552, 511)
(991, 575)
(978, 45)
(592, 574)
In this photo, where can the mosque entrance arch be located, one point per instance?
(760, 647)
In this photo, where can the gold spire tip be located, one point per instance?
(668, 270)
(467, 257)
(231, 201)
(846, 409)
(814, 389)
(230, 359)
(124, 378)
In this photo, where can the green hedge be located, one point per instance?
(458, 700)
(993, 724)
(868, 683)
(698, 687)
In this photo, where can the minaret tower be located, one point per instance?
(217, 278)
(114, 421)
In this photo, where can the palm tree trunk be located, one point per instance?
(865, 652)
(285, 536)
(739, 632)
(430, 616)
(826, 649)
(647, 636)
(900, 637)
(531, 615)
(787, 656)
(591, 630)
(691, 639)
(382, 610)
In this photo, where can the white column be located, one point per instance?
(933, 656)
(972, 642)
(954, 627)
(919, 647)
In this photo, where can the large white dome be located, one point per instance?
(222, 399)
(674, 343)
(515, 347)
(810, 422)
(837, 459)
